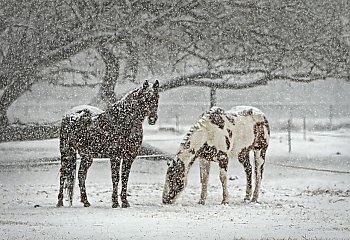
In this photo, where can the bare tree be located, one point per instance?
(267, 40)
(219, 44)
(111, 75)
(39, 34)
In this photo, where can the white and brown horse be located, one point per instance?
(218, 136)
(115, 133)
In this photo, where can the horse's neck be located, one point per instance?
(126, 110)
(133, 108)
(193, 141)
(187, 157)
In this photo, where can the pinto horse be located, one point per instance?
(218, 136)
(115, 133)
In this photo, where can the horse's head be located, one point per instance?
(151, 98)
(175, 181)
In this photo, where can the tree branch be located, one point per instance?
(75, 47)
(85, 84)
(73, 70)
(215, 80)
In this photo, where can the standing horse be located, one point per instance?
(218, 136)
(115, 133)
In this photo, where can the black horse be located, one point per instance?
(115, 133)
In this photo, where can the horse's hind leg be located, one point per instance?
(63, 176)
(243, 158)
(72, 165)
(223, 164)
(204, 175)
(85, 164)
(259, 157)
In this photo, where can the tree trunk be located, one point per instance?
(23, 79)
(106, 92)
(21, 82)
(132, 63)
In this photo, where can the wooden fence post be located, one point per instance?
(289, 129)
(304, 128)
(213, 98)
(177, 123)
(331, 117)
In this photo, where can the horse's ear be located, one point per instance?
(156, 84)
(145, 85)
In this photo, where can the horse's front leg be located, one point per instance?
(223, 164)
(85, 164)
(115, 168)
(204, 175)
(63, 176)
(126, 167)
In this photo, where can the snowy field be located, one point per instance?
(306, 195)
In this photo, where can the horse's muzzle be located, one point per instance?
(166, 200)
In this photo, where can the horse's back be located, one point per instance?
(246, 111)
(78, 111)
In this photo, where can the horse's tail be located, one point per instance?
(68, 159)
(70, 178)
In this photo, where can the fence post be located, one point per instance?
(177, 123)
(289, 129)
(304, 128)
(212, 97)
(330, 117)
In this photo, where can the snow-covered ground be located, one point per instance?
(306, 194)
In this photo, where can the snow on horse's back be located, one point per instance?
(78, 110)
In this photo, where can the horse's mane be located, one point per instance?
(122, 102)
(127, 96)
(205, 116)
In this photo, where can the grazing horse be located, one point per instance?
(115, 133)
(218, 136)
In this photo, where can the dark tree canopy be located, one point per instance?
(209, 43)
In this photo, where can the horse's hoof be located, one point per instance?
(201, 202)
(224, 202)
(115, 205)
(87, 204)
(247, 199)
(59, 204)
(125, 204)
(254, 200)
